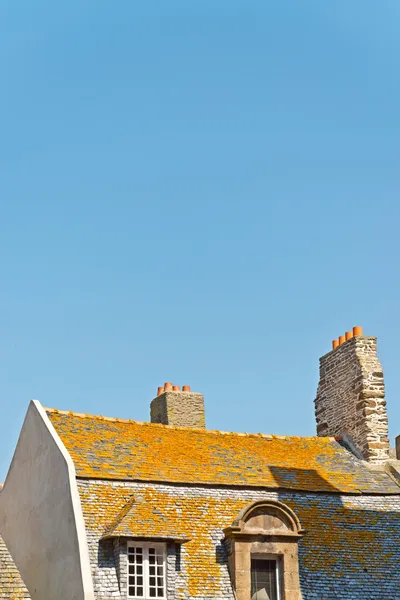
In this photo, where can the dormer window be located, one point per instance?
(263, 557)
(146, 571)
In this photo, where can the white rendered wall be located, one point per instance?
(41, 519)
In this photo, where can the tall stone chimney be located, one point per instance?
(351, 395)
(175, 407)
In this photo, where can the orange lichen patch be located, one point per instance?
(336, 530)
(340, 536)
(103, 506)
(158, 514)
(104, 448)
(115, 524)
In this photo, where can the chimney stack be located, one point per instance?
(174, 407)
(351, 395)
(398, 447)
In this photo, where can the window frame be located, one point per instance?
(145, 546)
(246, 538)
(278, 569)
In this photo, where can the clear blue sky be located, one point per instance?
(199, 192)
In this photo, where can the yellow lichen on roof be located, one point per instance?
(126, 450)
(157, 514)
(103, 505)
(362, 535)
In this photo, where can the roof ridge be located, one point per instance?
(269, 436)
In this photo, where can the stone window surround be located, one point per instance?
(280, 542)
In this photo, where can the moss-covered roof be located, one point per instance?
(116, 449)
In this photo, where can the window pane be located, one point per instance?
(146, 572)
(135, 556)
(263, 579)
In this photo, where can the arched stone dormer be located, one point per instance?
(267, 517)
(263, 552)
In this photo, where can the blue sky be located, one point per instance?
(199, 192)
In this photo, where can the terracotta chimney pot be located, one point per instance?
(160, 390)
(335, 344)
(186, 388)
(168, 386)
(342, 340)
(176, 388)
(357, 331)
(349, 335)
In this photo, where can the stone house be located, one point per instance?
(109, 509)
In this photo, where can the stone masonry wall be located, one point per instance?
(184, 409)
(350, 551)
(351, 398)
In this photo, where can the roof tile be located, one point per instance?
(11, 585)
(104, 448)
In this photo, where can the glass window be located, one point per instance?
(146, 571)
(264, 579)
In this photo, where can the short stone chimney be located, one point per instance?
(175, 407)
(351, 395)
(398, 447)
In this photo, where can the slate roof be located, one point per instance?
(11, 585)
(349, 540)
(116, 449)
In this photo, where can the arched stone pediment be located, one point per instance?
(263, 539)
(266, 517)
